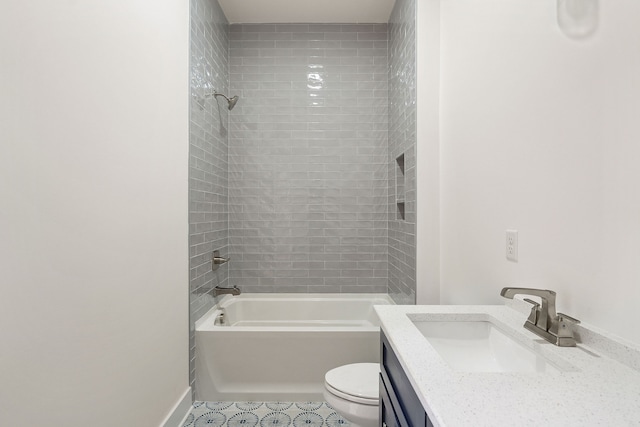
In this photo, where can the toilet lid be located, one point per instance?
(359, 380)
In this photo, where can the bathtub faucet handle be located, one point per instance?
(217, 260)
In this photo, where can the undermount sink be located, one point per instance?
(481, 346)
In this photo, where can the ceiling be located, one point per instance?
(307, 11)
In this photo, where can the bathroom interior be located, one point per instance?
(414, 155)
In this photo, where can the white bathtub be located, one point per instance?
(278, 347)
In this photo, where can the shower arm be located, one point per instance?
(216, 94)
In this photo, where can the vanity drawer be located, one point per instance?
(407, 407)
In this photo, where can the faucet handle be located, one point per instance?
(217, 260)
(565, 328)
(533, 317)
(565, 317)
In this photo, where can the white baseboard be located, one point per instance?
(180, 411)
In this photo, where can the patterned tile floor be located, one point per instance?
(263, 414)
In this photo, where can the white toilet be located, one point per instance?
(353, 392)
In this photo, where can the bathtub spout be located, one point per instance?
(235, 291)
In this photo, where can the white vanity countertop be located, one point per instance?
(599, 385)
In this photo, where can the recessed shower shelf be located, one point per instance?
(400, 197)
(400, 206)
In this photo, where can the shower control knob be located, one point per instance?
(217, 260)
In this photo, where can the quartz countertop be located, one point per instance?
(599, 383)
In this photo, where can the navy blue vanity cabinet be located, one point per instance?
(399, 404)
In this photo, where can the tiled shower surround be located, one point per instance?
(308, 158)
(402, 141)
(208, 169)
(298, 183)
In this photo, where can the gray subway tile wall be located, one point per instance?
(402, 140)
(208, 166)
(308, 180)
(297, 183)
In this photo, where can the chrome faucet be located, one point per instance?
(543, 320)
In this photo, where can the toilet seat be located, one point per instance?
(350, 397)
(356, 383)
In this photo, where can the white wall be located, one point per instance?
(428, 152)
(540, 132)
(93, 213)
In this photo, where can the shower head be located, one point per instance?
(231, 101)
